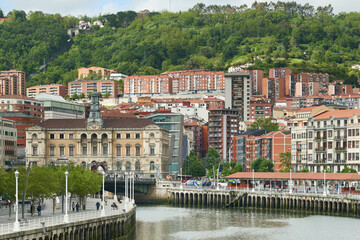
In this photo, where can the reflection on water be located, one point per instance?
(162, 222)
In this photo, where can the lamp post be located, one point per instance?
(103, 196)
(115, 197)
(290, 187)
(66, 216)
(253, 188)
(181, 186)
(324, 182)
(16, 223)
(133, 187)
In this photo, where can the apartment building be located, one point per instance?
(279, 72)
(306, 89)
(8, 138)
(223, 125)
(339, 89)
(238, 93)
(273, 88)
(89, 86)
(148, 84)
(260, 109)
(330, 140)
(12, 82)
(102, 73)
(53, 89)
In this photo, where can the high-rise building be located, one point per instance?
(223, 125)
(89, 86)
(12, 82)
(273, 88)
(238, 93)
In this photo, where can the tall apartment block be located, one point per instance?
(83, 73)
(256, 81)
(305, 89)
(292, 79)
(12, 82)
(273, 88)
(279, 72)
(238, 93)
(53, 89)
(148, 84)
(329, 140)
(86, 87)
(223, 125)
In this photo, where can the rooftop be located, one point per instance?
(339, 114)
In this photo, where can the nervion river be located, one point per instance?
(166, 222)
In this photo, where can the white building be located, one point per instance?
(8, 138)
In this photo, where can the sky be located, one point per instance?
(97, 7)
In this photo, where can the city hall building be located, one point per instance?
(124, 144)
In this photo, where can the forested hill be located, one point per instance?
(213, 37)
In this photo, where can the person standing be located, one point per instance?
(73, 207)
(97, 206)
(77, 207)
(39, 210)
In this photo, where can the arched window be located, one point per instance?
(152, 165)
(152, 135)
(104, 136)
(128, 166)
(137, 165)
(83, 136)
(83, 164)
(118, 166)
(34, 136)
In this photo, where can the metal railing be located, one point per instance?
(57, 220)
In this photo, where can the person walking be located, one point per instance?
(39, 210)
(97, 206)
(77, 207)
(73, 206)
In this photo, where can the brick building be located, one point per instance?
(53, 89)
(279, 72)
(24, 111)
(254, 144)
(12, 82)
(273, 88)
(260, 109)
(83, 73)
(214, 103)
(223, 125)
(305, 89)
(87, 87)
(148, 84)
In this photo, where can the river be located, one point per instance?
(166, 222)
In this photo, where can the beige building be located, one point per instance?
(8, 139)
(125, 144)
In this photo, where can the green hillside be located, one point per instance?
(213, 37)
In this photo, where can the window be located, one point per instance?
(84, 151)
(71, 150)
(330, 145)
(152, 150)
(94, 151)
(330, 133)
(310, 145)
(61, 151)
(35, 151)
(128, 135)
(118, 150)
(118, 135)
(137, 150)
(71, 136)
(137, 135)
(152, 165)
(310, 134)
(52, 151)
(52, 136)
(137, 166)
(330, 157)
(128, 166)
(118, 166)
(105, 150)
(61, 136)
(310, 157)
(127, 150)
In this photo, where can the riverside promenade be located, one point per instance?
(85, 224)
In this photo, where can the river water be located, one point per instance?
(165, 222)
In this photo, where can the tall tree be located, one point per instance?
(212, 158)
(266, 124)
(285, 159)
(262, 165)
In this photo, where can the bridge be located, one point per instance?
(142, 185)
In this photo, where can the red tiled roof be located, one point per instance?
(339, 114)
(18, 97)
(297, 176)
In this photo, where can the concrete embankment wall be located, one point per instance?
(108, 227)
(317, 204)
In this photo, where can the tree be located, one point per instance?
(74, 96)
(89, 95)
(67, 97)
(212, 158)
(285, 159)
(327, 170)
(305, 170)
(348, 170)
(262, 165)
(193, 166)
(82, 96)
(1, 14)
(100, 95)
(107, 94)
(266, 124)
(232, 168)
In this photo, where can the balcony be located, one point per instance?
(340, 161)
(340, 149)
(321, 149)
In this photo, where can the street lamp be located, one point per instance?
(253, 188)
(324, 182)
(16, 223)
(133, 187)
(103, 196)
(66, 216)
(181, 178)
(290, 187)
(115, 197)
(126, 187)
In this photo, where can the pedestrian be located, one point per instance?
(73, 206)
(77, 207)
(39, 210)
(102, 204)
(106, 201)
(32, 208)
(97, 206)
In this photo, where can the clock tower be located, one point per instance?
(95, 121)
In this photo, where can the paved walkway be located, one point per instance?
(48, 210)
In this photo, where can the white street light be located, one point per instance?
(181, 186)
(115, 197)
(290, 187)
(66, 216)
(253, 188)
(16, 223)
(126, 186)
(324, 182)
(102, 214)
(133, 187)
